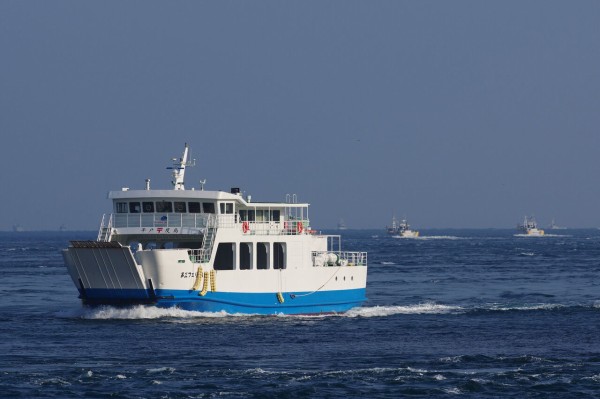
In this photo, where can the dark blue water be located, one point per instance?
(461, 313)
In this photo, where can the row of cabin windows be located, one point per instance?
(226, 256)
(166, 207)
(225, 208)
(259, 215)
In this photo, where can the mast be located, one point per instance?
(179, 169)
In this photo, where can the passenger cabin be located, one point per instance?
(164, 219)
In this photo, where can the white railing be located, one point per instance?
(338, 258)
(191, 220)
(200, 221)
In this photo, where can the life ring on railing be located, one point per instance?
(300, 227)
(245, 227)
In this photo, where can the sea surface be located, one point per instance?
(453, 314)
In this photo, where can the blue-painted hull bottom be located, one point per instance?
(247, 303)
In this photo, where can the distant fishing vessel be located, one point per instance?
(214, 251)
(17, 228)
(530, 228)
(554, 226)
(342, 225)
(401, 229)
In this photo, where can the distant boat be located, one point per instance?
(401, 229)
(62, 228)
(341, 225)
(529, 227)
(18, 228)
(554, 226)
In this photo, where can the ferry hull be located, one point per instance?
(231, 302)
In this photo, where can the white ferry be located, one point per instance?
(401, 229)
(214, 251)
(529, 227)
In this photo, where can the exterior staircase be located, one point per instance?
(105, 232)
(209, 239)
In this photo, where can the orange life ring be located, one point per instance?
(300, 227)
(245, 227)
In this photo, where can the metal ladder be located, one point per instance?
(209, 239)
(105, 230)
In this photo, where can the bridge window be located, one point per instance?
(245, 255)
(275, 215)
(243, 215)
(179, 207)
(193, 207)
(226, 208)
(148, 207)
(208, 207)
(262, 255)
(279, 255)
(225, 258)
(134, 207)
(121, 207)
(164, 207)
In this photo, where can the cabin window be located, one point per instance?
(226, 208)
(225, 258)
(179, 207)
(262, 255)
(148, 207)
(121, 207)
(134, 207)
(260, 215)
(164, 207)
(245, 255)
(243, 215)
(251, 216)
(193, 207)
(208, 207)
(275, 215)
(279, 255)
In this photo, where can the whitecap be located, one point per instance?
(138, 312)
(160, 370)
(382, 311)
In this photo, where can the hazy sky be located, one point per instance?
(451, 113)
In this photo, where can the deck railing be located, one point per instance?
(200, 221)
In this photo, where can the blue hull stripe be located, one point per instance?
(233, 302)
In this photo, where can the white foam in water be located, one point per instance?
(382, 311)
(441, 238)
(387, 263)
(139, 312)
(539, 306)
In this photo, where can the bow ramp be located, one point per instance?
(106, 271)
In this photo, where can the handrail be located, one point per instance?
(201, 221)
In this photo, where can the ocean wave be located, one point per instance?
(149, 312)
(139, 312)
(538, 306)
(425, 238)
(382, 311)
